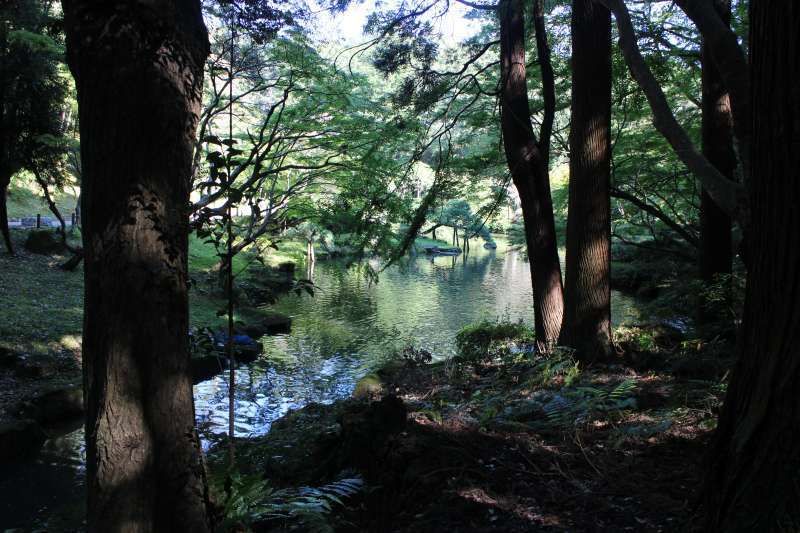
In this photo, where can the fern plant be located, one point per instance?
(561, 363)
(250, 499)
(578, 406)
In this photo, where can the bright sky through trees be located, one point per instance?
(347, 28)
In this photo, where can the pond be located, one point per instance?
(348, 327)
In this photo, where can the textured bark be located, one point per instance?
(754, 481)
(138, 68)
(4, 214)
(587, 291)
(728, 195)
(528, 161)
(716, 251)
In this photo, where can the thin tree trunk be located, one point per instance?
(716, 251)
(528, 161)
(138, 69)
(587, 294)
(51, 204)
(4, 182)
(754, 476)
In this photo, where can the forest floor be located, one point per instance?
(513, 446)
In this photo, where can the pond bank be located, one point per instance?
(505, 447)
(347, 329)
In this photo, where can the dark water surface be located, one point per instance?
(347, 328)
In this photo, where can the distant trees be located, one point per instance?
(587, 290)
(458, 215)
(138, 69)
(754, 479)
(32, 92)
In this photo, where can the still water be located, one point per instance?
(348, 327)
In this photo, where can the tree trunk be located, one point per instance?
(716, 251)
(721, 45)
(730, 196)
(62, 225)
(4, 182)
(754, 477)
(587, 295)
(138, 69)
(528, 161)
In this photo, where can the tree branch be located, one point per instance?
(729, 196)
(656, 212)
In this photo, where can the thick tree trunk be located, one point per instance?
(754, 481)
(528, 161)
(587, 294)
(138, 68)
(716, 251)
(4, 182)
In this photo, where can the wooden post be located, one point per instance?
(38, 221)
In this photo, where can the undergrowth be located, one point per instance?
(250, 500)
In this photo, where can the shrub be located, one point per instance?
(487, 341)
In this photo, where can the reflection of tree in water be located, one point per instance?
(346, 294)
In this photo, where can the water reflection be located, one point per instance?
(352, 325)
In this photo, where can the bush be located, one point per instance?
(487, 341)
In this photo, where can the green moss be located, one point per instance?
(368, 386)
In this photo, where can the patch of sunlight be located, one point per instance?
(71, 342)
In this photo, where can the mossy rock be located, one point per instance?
(369, 386)
(315, 444)
(55, 406)
(44, 242)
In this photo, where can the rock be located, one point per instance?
(490, 245)
(44, 242)
(370, 386)
(20, 439)
(56, 406)
(314, 444)
(271, 324)
(9, 358)
(245, 348)
(366, 427)
(287, 269)
(435, 250)
(207, 367)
